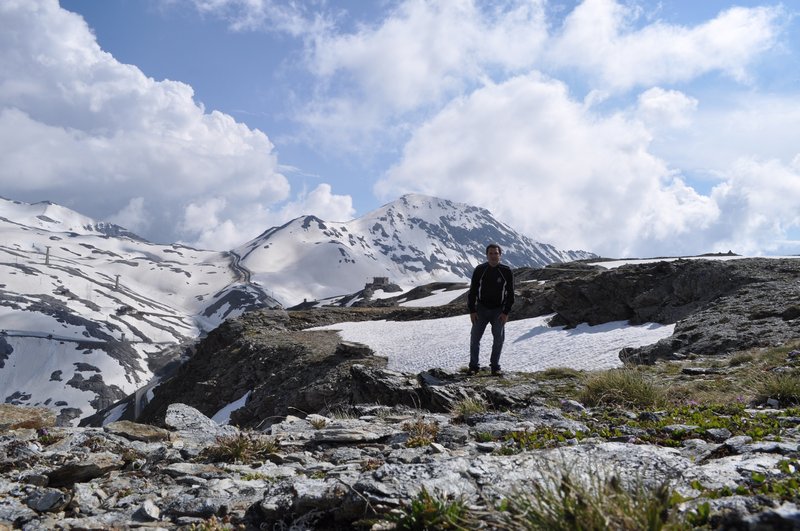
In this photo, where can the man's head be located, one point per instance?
(493, 252)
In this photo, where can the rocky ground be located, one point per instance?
(470, 440)
(331, 439)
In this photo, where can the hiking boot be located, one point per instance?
(473, 370)
(497, 372)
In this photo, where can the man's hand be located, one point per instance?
(504, 318)
(473, 317)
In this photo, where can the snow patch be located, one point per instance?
(530, 344)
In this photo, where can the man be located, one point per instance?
(491, 295)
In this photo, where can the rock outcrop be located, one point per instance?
(279, 372)
(717, 306)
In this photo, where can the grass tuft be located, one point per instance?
(558, 373)
(740, 359)
(463, 409)
(622, 387)
(565, 500)
(783, 387)
(244, 447)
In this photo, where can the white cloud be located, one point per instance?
(599, 37)
(134, 216)
(540, 162)
(321, 202)
(248, 15)
(666, 108)
(729, 127)
(760, 207)
(101, 137)
(213, 225)
(421, 54)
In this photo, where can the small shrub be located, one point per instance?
(621, 387)
(318, 423)
(46, 438)
(484, 436)
(429, 511)
(256, 476)
(421, 432)
(243, 447)
(700, 516)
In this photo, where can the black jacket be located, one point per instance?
(491, 287)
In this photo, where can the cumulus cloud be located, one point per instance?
(599, 37)
(102, 137)
(534, 157)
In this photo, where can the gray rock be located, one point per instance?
(148, 512)
(572, 406)
(43, 500)
(719, 434)
(137, 432)
(93, 466)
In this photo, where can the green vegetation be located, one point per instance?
(545, 437)
(431, 512)
(740, 358)
(45, 437)
(784, 487)
(559, 373)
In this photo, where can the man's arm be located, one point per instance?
(472, 296)
(509, 298)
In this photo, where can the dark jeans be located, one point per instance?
(485, 317)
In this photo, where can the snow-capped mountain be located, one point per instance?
(87, 308)
(414, 240)
(90, 312)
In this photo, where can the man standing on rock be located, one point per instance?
(491, 295)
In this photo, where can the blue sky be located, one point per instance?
(627, 128)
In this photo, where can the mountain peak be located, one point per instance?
(415, 239)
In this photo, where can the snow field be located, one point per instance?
(530, 344)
